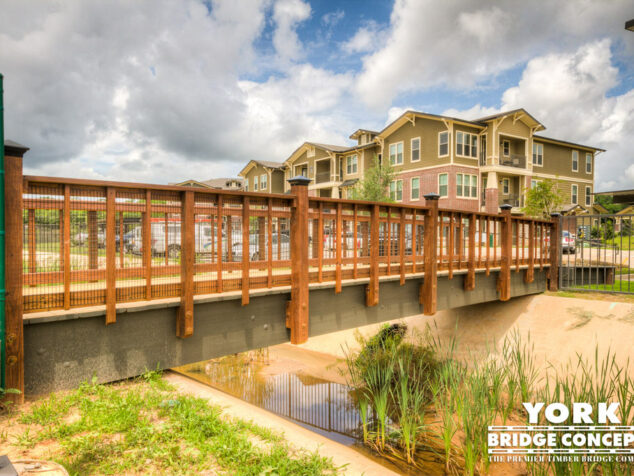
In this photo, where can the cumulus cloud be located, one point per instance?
(287, 14)
(464, 43)
(570, 94)
(366, 39)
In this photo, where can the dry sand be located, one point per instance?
(558, 327)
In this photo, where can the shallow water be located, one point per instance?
(322, 406)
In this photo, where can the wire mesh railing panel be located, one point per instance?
(79, 235)
(596, 253)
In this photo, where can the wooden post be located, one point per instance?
(429, 288)
(66, 240)
(553, 273)
(111, 257)
(219, 220)
(13, 304)
(372, 290)
(147, 243)
(339, 241)
(261, 238)
(401, 246)
(298, 308)
(93, 240)
(32, 245)
(246, 250)
(269, 261)
(529, 277)
(504, 280)
(185, 315)
(469, 282)
(320, 239)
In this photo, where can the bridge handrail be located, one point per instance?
(128, 242)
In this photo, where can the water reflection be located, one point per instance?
(326, 407)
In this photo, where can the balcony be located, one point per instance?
(322, 177)
(513, 200)
(514, 160)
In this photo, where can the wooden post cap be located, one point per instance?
(505, 207)
(431, 196)
(555, 215)
(299, 180)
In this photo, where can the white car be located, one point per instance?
(202, 236)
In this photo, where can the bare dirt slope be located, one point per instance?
(558, 327)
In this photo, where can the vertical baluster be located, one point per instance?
(372, 291)
(269, 224)
(401, 245)
(354, 242)
(339, 238)
(111, 257)
(219, 245)
(147, 243)
(246, 250)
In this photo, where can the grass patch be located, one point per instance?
(618, 286)
(622, 242)
(147, 427)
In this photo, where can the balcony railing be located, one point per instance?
(514, 160)
(513, 200)
(323, 177)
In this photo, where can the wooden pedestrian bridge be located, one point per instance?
(112, 278)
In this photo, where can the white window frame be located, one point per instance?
(396, 155)
(411, 188)
(588, 196)
(506, 153)
(256, 183)
(506, 185)
(349, 165)
(588, 162)
(574, 194)
(575, 160)
(448, 143)
(538, 155)
(246, 185)
(467, 180)
(411, 149)
(398, 183)
(467, 141)
(534, 182)
(447, 185)
(264, 182)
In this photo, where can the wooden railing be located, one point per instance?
(91, 243)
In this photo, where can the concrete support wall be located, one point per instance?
(63, 351)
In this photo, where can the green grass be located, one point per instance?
(147, 427)
(619, 286)
(622, 242)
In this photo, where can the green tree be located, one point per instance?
(375, 185)
(543, 199)
(607, 201)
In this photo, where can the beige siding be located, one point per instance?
(558, 161)
(258, 170)
(427, 130)
(473, 161)
(518, 129)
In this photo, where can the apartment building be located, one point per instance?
(224, 183)
(473, 165)
(263, 176)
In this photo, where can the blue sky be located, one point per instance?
(161, 90)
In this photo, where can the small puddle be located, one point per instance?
(325, 407)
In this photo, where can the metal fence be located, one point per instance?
(596, 253)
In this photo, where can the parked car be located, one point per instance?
(81, 239)
(202, 233)
(567, 242)
(281, 252)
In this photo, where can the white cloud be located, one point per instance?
(332, 18)
(462, 43)
(287, 14)
(569, 94)
(366, 39)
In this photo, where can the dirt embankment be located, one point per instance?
(558, 327)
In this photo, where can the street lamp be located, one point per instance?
(629, 25)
